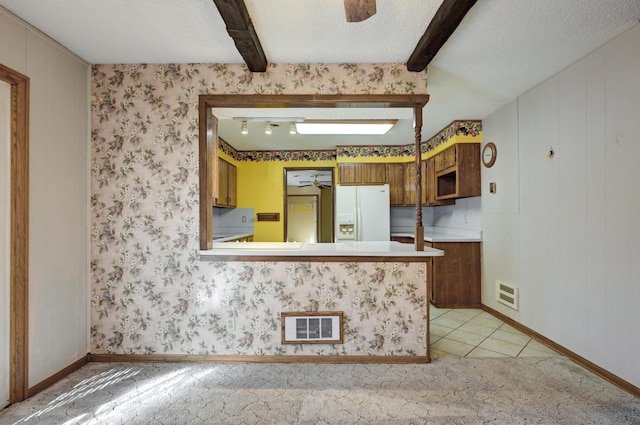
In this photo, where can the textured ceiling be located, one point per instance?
(501, 49)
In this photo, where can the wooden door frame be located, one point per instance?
(208, 140)
(19, 234)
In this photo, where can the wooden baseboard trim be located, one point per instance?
(590, 366)
(58, 376)
(257, 359)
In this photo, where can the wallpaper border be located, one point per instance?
(471, 128)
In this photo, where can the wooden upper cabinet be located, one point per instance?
(232, 188)
(362, 173)
(227, 184)
(395, 175)
(410, 183)
(457, 172)
(223, 182)
(402, 183)
(446, 158)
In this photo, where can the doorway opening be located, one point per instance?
(309, 201)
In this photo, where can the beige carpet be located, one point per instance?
(448, 391)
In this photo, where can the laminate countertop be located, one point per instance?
(377, 249)
(442, 234)
(226, 238)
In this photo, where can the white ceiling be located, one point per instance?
(501, 49)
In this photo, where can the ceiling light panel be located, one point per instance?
(351, 127)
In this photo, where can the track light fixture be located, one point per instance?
(267, 128)
(243, 128)
(292, 128)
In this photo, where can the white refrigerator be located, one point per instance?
(362, 213)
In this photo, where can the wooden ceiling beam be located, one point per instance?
(239, 26)
(443, 24)
(359, 10)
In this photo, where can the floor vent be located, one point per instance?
(312, 328)
(507, 294)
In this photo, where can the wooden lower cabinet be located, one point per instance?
(245, 239)
(402, 239)
(455, 277)
(453, 281)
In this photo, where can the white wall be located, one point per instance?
(565, 229)
(58, 219)
(464, 214)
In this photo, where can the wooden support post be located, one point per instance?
(418, 236)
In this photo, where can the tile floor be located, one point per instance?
(475, 333)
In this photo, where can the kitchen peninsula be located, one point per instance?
(380, 287)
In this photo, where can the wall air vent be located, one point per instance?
(507, 294)
(324, 327)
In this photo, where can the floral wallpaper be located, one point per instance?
(235, 310)
(150, 292)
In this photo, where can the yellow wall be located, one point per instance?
(261, 187)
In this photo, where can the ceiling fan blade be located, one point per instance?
(359, 10)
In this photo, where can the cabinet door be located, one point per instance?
(456, 275)
(232, 186)
(431, 182)
(223, 182)
(410, 183)
(445, 159)
(449, 157)
(468, 161)
(395, 175)
(362, 173)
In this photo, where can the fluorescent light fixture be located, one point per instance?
(270, 119)
(243, 128)
(345, 127)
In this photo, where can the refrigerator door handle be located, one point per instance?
(358, 223)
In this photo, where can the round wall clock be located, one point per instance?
(489, 153)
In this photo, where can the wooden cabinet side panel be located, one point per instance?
(223, 182)
(469, 170)
(431, 275)
(232, 186)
